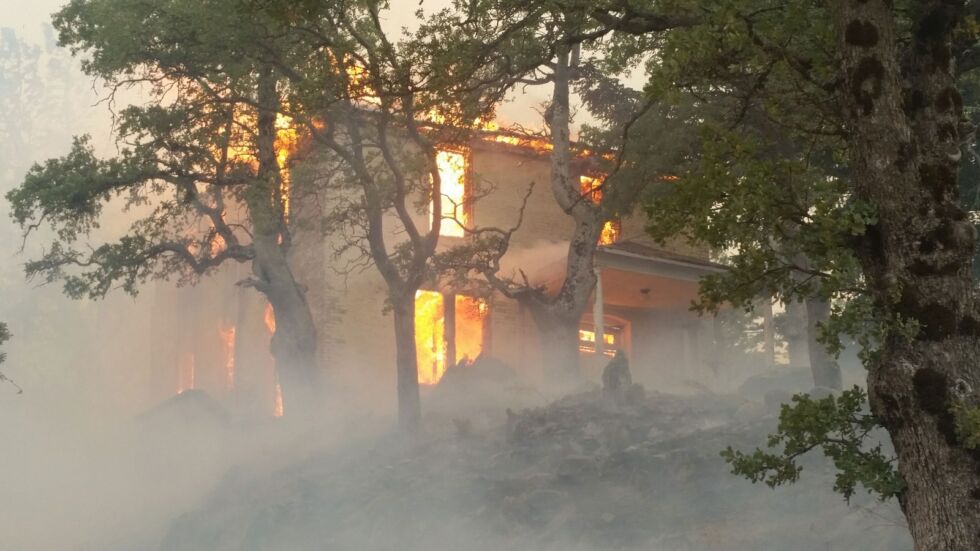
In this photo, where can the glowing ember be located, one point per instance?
(270, 318)
(430, 341)
(452, 176)
(228, 341)
(185, 373)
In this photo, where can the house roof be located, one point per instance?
(637, 257)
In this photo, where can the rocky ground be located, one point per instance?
(579, 473)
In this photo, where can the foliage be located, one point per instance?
(967, 420)
(4, 337)
(183, 155)
(769, 186)
(840, 426)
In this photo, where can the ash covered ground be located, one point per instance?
(579, 473)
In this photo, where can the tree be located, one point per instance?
(868, 93)
(205, 143)
(378, 109)
(4, 337)
(557, 60)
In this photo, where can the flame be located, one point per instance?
(452, 177)
(241, 148)
(610, 233)
(185, 373)
(431, 335)
(228, 341)
(591, 188)
(270, 318)
(470, 314)
(286, 140)
(358, 87)
(586, 342)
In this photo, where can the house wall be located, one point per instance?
(356, 336)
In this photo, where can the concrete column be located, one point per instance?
(598, 316)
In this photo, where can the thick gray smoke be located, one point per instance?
(92, 460)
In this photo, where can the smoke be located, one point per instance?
(94, 459)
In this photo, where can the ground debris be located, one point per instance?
(578, 474)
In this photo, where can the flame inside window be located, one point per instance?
(470, 313)
(610, 337)
(430, 339)
(433, 338)
(452, 181)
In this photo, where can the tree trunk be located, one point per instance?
(294, 339)
(409, 406)
(904, 147)
(794, 330)
(823, 365)
(558, 317)
(559, 346)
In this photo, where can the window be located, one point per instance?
(591, 188)
(446, 336)
(612, 338)
(452, 178)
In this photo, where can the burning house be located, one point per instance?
(642, 297)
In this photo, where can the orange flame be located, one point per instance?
(270, 318)
(452, 178)
(470, 314)
(610, 233)
(242, 149)
(286, 140)
(591, 188)
(431, 332)
(430, 336)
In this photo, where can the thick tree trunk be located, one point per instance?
(823, 365)
(903, 132)
(294, 339)
(409, 403)
(558, 317)
(794, 330)
(559, 344)
(293, 343)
